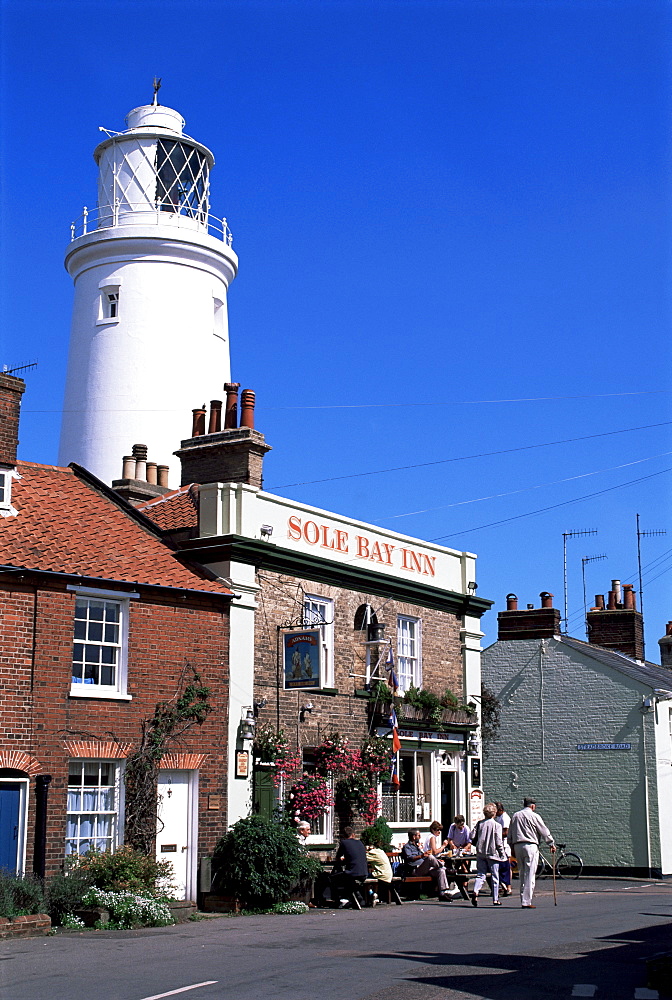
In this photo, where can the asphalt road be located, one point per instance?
(593, 943)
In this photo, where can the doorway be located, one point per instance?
(447, 800)
(177, 827)
(13, 801)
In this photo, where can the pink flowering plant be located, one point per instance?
(310, 797)
(334, 756)
(273, 747)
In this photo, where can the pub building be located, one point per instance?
(321, 602)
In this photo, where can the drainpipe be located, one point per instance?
(42, 782)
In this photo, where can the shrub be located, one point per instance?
(21, 895)
(378, 834)
(259, 861)
(65, 893)
(126, 870)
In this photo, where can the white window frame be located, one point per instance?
(6, 476)
(117, 812)
(326, 626)
(325, 823)
(425, 815)
(108, 304)
(412, 676)
(117, 690)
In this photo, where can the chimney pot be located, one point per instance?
(140, 455)
(668, 628)
(629, 599)
(151, 473)
(215, 424)
(128, 467)
(546, 599)
(198, 422)
(616, 587)
(247, 402)
(612, 602)
(162, 475)
(231, 412)
(599, 602)
(511, 602)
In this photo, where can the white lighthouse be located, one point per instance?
(151, 267)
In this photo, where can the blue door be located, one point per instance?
(10, 799)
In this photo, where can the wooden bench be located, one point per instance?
(459, 878)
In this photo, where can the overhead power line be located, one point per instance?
(466, 402)
(542, 510)
(464, 458)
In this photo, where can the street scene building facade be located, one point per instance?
(99, 626)
(321, 604)
(586, 728)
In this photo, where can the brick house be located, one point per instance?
(296, 569)
(99, 623)
(585, 728)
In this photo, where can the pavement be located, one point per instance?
(594, 943)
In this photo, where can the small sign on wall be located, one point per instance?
(604, 746)
(242, 764)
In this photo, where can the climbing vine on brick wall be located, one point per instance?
(189, 706)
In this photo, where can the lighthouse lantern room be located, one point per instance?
(151, 268)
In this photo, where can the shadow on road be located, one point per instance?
(615, 964)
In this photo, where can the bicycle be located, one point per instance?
(567, 864)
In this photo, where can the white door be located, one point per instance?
(176, 835)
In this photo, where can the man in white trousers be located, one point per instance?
(525, 831)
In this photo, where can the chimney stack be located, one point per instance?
(232, 455)
(666, 647)
(619, 626)
(530, 623)
(11, 391)
(141, 480)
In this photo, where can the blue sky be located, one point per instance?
(453, 223)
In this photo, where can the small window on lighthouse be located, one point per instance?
(109, 304)
(112, 304)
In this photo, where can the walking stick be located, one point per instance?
(555, 895)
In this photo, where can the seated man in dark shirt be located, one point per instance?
(350, 867)
(419, 862)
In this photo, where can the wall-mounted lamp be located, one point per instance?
(375, 633)
(308, 707)
(258, 705)
(659, 694)
(247, 723)
(266, 531)
(474, 745)
(472, 587)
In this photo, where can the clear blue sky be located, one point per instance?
(453, 222)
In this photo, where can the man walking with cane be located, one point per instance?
(525, 830)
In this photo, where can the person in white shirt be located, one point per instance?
(525, 830)
(502, 816)
(303, 832)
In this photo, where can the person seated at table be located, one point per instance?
(350, 867)
(433, 842)
(459, 835)
(419, 862)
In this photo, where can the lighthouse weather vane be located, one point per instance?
(157, 88)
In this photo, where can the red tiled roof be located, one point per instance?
(175, 510)
(65, 525)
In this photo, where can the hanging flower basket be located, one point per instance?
(310, 797)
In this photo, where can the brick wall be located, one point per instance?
(11, 390)
(230, 456)
(38, 716)
(281, 599)
(554, 699)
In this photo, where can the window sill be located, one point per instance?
(107, 321)
(82, 691)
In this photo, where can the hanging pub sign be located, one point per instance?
(302, 658)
